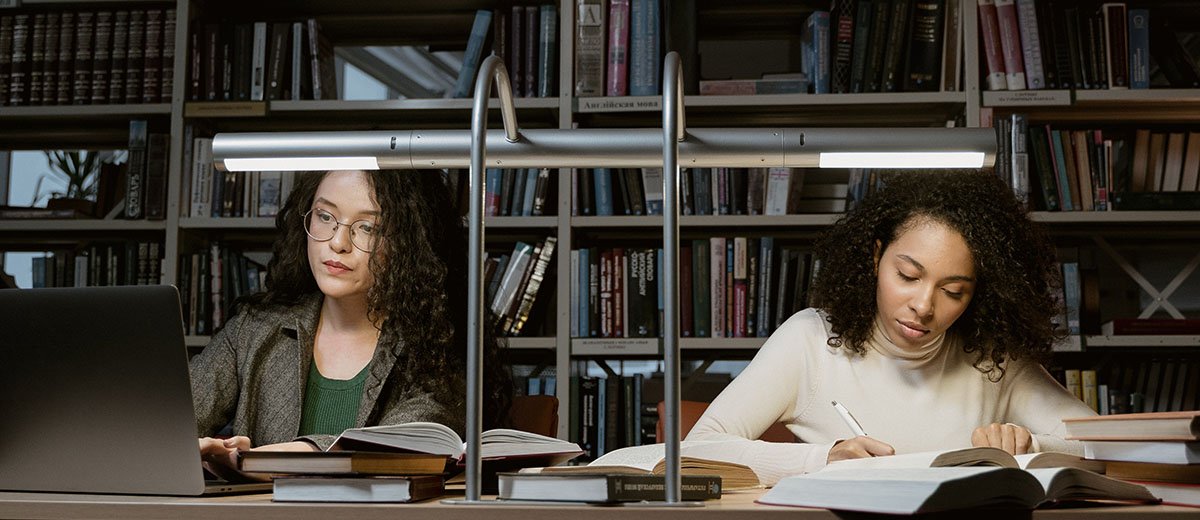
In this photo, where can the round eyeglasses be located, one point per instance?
(322, 226)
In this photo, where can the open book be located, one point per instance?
(437, 439)
(925, 490)
(695, 458)
(977, 456)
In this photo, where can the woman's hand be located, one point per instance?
(859, 448)
(1008, 437)
(219, 456)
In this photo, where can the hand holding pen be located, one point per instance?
(861, 446)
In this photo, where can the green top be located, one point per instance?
(330, 405)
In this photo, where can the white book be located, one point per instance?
(512, 278)
(777, 191)
(376, 489)
(652, 186)
(1144, 451)
(258, 62)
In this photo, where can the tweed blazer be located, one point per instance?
(253, 373)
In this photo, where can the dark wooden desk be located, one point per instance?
(738, 506)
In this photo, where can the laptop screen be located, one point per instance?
(94, 392)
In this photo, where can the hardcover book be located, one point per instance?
(437, 439)
(603, 488)
(340, 463)
(357, 489)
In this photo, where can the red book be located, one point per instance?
(1010, 44)
(989, 31)
(617, 83)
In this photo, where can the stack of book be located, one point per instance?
(348, 476)
(1159, 450)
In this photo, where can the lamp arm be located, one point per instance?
(491, 69)
(673, 135)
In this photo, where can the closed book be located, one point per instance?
(531, 54)
(356, 489)
(85, 28)
(922, 68)
(548, 52)
(1165, 453)
(1150, 426)
(645, 42)
(1175, 494)
(617, 82)
(135, 56)
(117, 58)
(166, 76)
(102, 51)
(135, 180)
(341, 462)
(152, 57)
(1010, 44)
(989, 26)
(603, 488)
(6, 42)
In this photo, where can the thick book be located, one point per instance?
(437, 439)
(925, 490)
(1158, 471)
(357, 489)
(1151, 426)
(976, 456)
(695, 458)
(341, 463)
(603, 488)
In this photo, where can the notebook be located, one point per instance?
(97, 397)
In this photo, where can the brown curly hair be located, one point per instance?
(1011, 314)
(420, 272)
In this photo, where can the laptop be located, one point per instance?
(95, 395)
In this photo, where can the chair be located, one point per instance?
(690, 412)
(535, 413)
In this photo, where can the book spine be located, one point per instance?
(515, 58)
(1010, 44)
(873, 72)
(152, 57)
(894, 52)
(135, 57)
(166, 76)
(1117, 50)
(102, 58)
(644, 48)
(841, 14)
(1139, 48)
(627, 488)
(1031, 44)
(858, 53)
(258, 62)
(6, 55)
(50, 60)
(135, 190)
(471, 57)
(618, 48)
(548, 52)
(989, 31)
(590, 23)
(85, 28)
(18, 77)
(156, 177)
(119, 57)
(531, 55)
(36, 59)
(922, 66)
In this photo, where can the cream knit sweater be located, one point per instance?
(914, 401)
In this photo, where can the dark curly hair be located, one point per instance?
(420, 288)
(1012, 311)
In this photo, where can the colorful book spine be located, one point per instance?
(645, 40)
(589, 47)
(1031, 44)
(617, 83)
(989, 32)
(1010, 44)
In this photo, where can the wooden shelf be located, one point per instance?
(543, 222)
(81, 225)
(1142, 341)
(721, 343)
(513, 343)
(1125, 106)
(84, 111)
(1116, 217)
(227, 223)
(701, 221)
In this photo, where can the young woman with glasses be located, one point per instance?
(362, 322)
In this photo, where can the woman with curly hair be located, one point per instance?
(361, 323)
(935, 304)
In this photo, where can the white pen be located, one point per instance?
(849, 419)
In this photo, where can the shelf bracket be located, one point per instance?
(1160, 298)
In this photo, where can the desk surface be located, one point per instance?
(732, 506)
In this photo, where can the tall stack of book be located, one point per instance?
(1159, 450)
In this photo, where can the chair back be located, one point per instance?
(536, 414)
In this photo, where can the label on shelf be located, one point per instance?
(997, 98)
(615, 346)
(619, 104)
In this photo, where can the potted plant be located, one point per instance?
(80, 169)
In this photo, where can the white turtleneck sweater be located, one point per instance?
(925, 400)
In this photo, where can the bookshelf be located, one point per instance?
(446, 24)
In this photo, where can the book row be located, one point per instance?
(1099, 170)
(513, 281)
(1054, 44)
(734, 287)
(526, 38)
(260, 61)
(211, 193)
(1152, 384)
(100, 264)
(520, 192)
(211, 281)
(87, 57)
(706, 191)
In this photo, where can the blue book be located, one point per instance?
(513, 207)
(602, 181)
(531, 180)
(585, 265)
(491, 191)
(1139, 48)
(1072, 295)
(534, 386)
(815, 52)
(601, 407)
(645, 67)
(1064, 187)
(549, 385)
(473, 55)
(729, 287)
